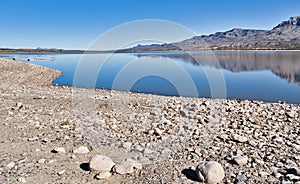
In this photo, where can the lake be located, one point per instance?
(254, 75)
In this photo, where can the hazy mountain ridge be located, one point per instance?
(285, 35)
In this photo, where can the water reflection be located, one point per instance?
(285, 64)
(255, 75)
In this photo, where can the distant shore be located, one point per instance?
(50, 51)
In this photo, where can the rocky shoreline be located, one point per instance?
(49, 134)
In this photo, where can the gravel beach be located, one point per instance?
(59, 134)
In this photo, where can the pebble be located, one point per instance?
(81, 150)
(103, 175)
(101, 163)
(10, 165)
(134, 163)
(241, 177)
(210, 172)
(147, 151)
(158, 132)
(59, 150)
(293, 177)
(123, 168)
(239, 138)
(21, 180)
(127, 145)
(61, 172)
(263, 174)
(240, 160)
(41, 161)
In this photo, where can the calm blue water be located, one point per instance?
(255, 75)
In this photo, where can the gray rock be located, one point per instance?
(240, 160)
(210, 172)
(123, 168)
(81, 150)
(59, 150)
(101, 163)
(241, 177)
(147, 151)
(103, 175)
(134, 163)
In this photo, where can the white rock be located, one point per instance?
(263, 174)
(240, 160)
(123, 168)
(10, 165)
(41, 161)
(127, 145)
(293, 177)
(239, 138)
(22, 180)
(210, 172)
(61, 172)
(103, 175)
(101, 163)
(59, 150)
(158, 131)
(81, 150)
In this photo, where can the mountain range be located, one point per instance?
(284, 36)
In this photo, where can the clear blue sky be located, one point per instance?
(74, 24)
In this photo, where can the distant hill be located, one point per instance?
(285, 36)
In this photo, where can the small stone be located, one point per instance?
(240, 160)
(50, 161)
(10, 165)
(81, 150)
(184, 113)
(21, 180)
(61, 172)
(263, 174)
(41, 161)
(127, 145)
(239, 138)
(223, 136)
(290, 114)
(210, 172)
(10, 113)
(59, 150)
(103, 175)
(123, 168)
(147, 151)
(19, 105)
(241, 177)
(139, 148)
(293, 177)
(101, 163)
(134, 163)
(158, 132)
